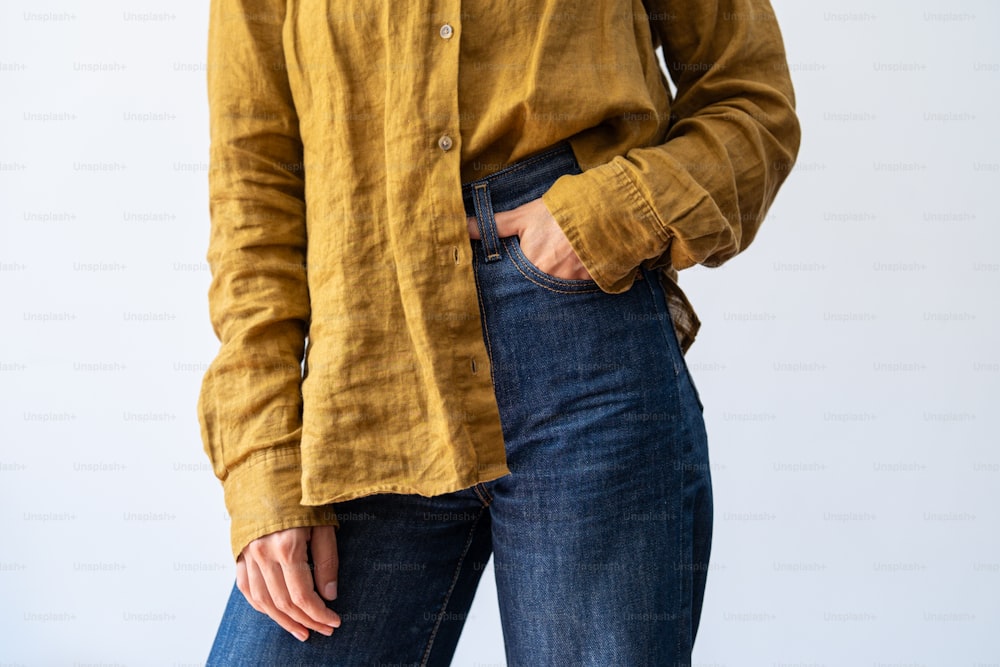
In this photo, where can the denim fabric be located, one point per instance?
(601, 533)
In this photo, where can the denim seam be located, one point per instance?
(555, 280)
(683, 366)
(685, 546)
(555, 283)
(451, 588)
(486, 329)
(484, 495)
(685, 582)
(662, 311)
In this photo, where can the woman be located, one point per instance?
(444, 249)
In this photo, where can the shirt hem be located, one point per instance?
(371, 489)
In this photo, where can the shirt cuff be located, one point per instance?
(608, 223)
(263, 496)
(613, 227)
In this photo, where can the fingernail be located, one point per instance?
(302, 636)
(331, 591)
(327, 631)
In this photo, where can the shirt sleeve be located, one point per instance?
(250, 405)
(699, 197)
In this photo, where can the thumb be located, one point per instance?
(325, 560)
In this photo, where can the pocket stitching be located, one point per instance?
(539, 277)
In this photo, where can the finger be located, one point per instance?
(306, 602)
(473, 227)
(508, 222)
(285, 598)
(325, 560)
(243, 582)
(261, 594)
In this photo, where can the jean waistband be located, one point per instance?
(524, 180)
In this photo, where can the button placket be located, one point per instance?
(445, 142)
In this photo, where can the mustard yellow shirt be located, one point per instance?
(352, 359)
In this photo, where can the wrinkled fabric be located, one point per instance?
(352, 358)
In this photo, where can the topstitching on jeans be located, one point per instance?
(663, 314)
(544, 280)
(483, 493)
(485, 221)
(486, 331)
(447, 596)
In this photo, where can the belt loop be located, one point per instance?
(485, 221)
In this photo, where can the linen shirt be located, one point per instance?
(351, 356)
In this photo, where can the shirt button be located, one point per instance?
(446, 31)
(445, 143)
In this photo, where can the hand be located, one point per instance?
(542, 240)
(273, 574)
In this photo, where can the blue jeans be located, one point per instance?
(601, 532)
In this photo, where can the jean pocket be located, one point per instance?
(545, 280)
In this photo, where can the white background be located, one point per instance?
(848, 360)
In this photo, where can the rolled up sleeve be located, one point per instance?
(700, 196)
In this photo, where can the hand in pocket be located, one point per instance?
(541, 239)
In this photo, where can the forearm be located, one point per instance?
(700, 196)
